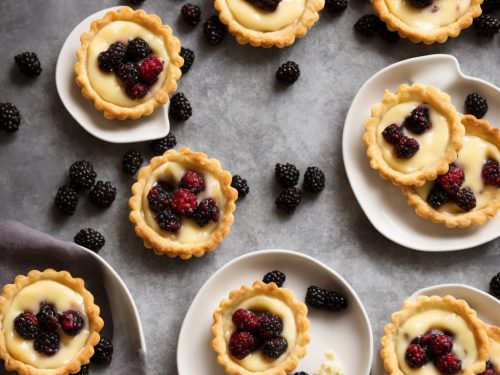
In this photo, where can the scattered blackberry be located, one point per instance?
(437, 196)
(275, 276)
(335, 301)
(270, 326)
(160, 146)
(325, 299)
(138, 49)
(288, 72)
(267, 5)
(10, 118)
(314, 180)
(241, 344)
(368, 25)
(274, 348)
(490, 5)
(416, 356)
(188, 56)
(465, 199)
(82, 175)
(240, 184)
(486, 25)
(491, 173)
(26, 325)
(131, 162)
(180, 108)
(388, 35)
(452, 180)
(159, 197)
(48, 317)
(66, 200)
(71, 322)
(168, 220)
(245, 320)
(206, 212)
(287, 174)
(103, 352)
(476, 105)
(406, 148)
(47, 343)
(84, 370)
(495, 285)
(214, 31)
(150, 69)
(191, 14)
(418, 121)
(448, 364)
(90, 238)
(336, 6)
(393, 134)
(193, 181)
(103, 194)
(128, 73)
(113, 57)
(184, 202)
(29, 64)
(420, 3)
(289, 199)
(137, 91)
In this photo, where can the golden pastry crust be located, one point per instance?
(494, 333)
(161, 245)
(483, 130)
(173, 72)
(91, 310)
(219, 344)
(280, 38)
(439, 101)
(428, 36)
(422, 303)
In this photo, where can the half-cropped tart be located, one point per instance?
(128, 63)
(182, 204)
(413, 135)
(427, 21)
(49, 324)
(268, 23)
(469, 193)
(435, 335)
(494, 361)
(260, 329)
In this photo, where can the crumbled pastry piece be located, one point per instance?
(330, 366)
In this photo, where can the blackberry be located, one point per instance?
(128, 73)
(82, 175)
(29, 64)
(160, 146)
(393, 134)
(66, 200)
(368, 25)
(336, 6)
(206, 212)
(10, 118)
(47, 343)
(26, 325)
(452, 180)
(188, 56)
(438, 196)
(335, 301)
(214, 31)
(131, 162)
(406, 148)
(486, 25)
(103, 194)
(48, 317)
(245, 320)
(276, 277)
(448, 364)
(274, 348)
(287, 174)
(288, 72)
(388, 35)
(138, 49)
(137, 91)
(84, 370)
(168, 220)
(103, 352)
(111, 59)
(71, 322)
(180, 108)
(191, 14)
(490, 5)
(267, 5)
(491, 173)
(495, 285)
(159, 197)
(315, 297)
(270, 326)
(418, 121)
(240, 184)
(476, 105)
(241, 344)
(420, 3)
(465, 199)
(289, 199)
(90, 238)
(416, 356)
(314, 180)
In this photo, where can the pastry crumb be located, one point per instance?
(330, 366)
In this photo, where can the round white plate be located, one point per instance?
(383, 203)
(347, 333)
(115, 131)
(486, 306)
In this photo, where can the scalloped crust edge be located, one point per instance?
(91, 310)
(172, 45)
(163, 246)
(437, 99)
(409, 308)
(482, 129)
(235, 297)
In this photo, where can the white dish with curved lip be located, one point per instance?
(382, 202)
(486, 306)
(344, 333)
(83, 111)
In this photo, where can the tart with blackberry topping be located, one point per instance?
(128, 63)
(48, 324)
(182, 204)
(469, 192)
(413, 134)
(260, 329)
(427, 21)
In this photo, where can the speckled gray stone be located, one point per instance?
(242, 117)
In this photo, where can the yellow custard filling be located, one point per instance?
(433, 142)
(190, 232)
(464, 343)
(250, 16)
(495, 354)
(255, 361)
(29, 299)
(439, 13)
(107, 85)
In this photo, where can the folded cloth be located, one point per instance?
(23, 249)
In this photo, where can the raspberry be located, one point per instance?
(495, 285)
(191, 14)
(486, 25)
(448, 363)
(188, 56)
(128, 73)
(180, 108)
(288, 72)
(438, 196)
(314, 180)
(206, 211)
(193, 181)
(336, 6)
(48, 317)
(490, 370)
(66, 200)
(26, 325)
(476, 105)
(270, 325)
(82, 175)
(418, 120)
(368, 25)
(439, 344)
(276, 277)
(160, 197)
(47, 343)
(10, 118)
(214, 31)
(416, 356)
(240, 184)
(407, 148)
(184, 202)
(465, 199)
(289, 199)
(113, 57)
(103, 352)
(91, 239)
(274, 347)
(241, 344)
(287, 174)
(160, 146)
(131, 162)
(150, 68)
(393, 134)
(29, 64)
(267, 5)
(103, 194)
(137, 91)
(491, 173)
(169, 221)
(452, 180)
(137, 49)
(420, 3)
(245, 320)
(71, 322)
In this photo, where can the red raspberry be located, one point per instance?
(439, 344)
(245, 320)
(150, 68)
(416, 356)
(193, 181)
(184, 202)
(491, 173)
(452, 180)
(241, 344)
(71, 322)
(489, 369)
(137, 91)
(448, 363)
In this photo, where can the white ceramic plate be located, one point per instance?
(486, 306)
(383, 203)
(115, 131)
(347, 333)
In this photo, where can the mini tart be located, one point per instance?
(434, 23)
(476, 131)
(438, 146)
(494, 335)
(246, 297)
(64, 282)
(128, 24)
(172, 164)
(445, 313)
(260, 28)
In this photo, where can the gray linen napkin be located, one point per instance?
(23, 249)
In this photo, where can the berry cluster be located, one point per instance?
(370, 25)
(324, 299)
(90, 238)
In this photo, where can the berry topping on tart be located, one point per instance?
(245, 320)
(137, 49)
(26, 325)
(47, 343)
(184, 202)
(241, 344)
(418, 120)
(420, 3)
(48, 317)
(267, 5)
(206, 212)
(452, 180)
(160, 197)
(393, 134)
(416, 356)
(406, 148)
(491, 173)
(193, 181)
(71, 322)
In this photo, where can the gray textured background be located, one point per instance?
(248, 122)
